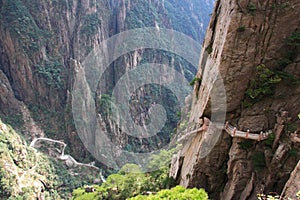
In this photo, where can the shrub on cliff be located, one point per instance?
(176, 193)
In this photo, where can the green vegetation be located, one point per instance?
(258, 160)
(246, 145)
(48, 119)
(24, 171)
(176, 193)
(283, 62)
(105, 104)
(266, 79)
(160, 178)
(273, 197)
(299, 115)
(293, 152)
(290, 78)
(270, 140)
(268, 197)
(51, 72)
(91, 24)
(17, 19)
(142, 102)
(292, 50)
(294, 39)
(280, 6)
(196, 79)
(264, 83)
(176, 14)
(143, 14)
(241, 28)
(181, 19)
(130, 181)
(183, 124)
(251, 7)
(15, 120)
(290, 127)
(209, 49)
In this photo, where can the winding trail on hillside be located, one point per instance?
(70, 161)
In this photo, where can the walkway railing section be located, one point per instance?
(192, 129)
(231, 130)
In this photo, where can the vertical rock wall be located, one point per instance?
(241, 36)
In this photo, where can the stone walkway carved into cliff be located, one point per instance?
(231, 130)
(69, 160)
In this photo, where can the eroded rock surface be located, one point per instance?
(243, 35)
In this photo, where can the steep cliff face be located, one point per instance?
(42, 42)
(254, 47)
(38, 41)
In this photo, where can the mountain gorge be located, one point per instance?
(238, 133)
(44, 42)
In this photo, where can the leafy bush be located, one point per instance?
(290, 127)
(176, 193)
(241, 28)
(294, 39)
(293, 152)
(130, 181)
(263, 84)
(6, 183)
(246, 145)
(18, 20)
(251, 7)
(290, 78)
(258, 160)
(105, 104)
(292, 50)
(15, 120)
(51, 72)
(90, 25)
(209, 49)
(270, 140)
(196, 79)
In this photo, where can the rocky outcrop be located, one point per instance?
(292, 187)
(246, 43)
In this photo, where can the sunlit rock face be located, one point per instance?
(250, 44)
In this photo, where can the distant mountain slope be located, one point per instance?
(40, 42)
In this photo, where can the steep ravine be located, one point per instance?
(254, 47)
(41, 42)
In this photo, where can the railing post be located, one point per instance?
(260, 137)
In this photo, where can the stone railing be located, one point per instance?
(231, 130)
